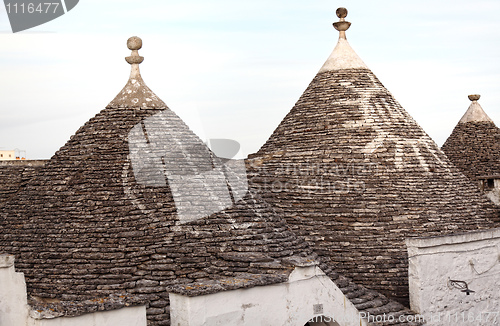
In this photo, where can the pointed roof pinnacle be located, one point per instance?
(136, 94)
(135, 44)
(475, 113)
(343, 56)
(342, 25)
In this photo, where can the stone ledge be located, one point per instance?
(241, 281)
(42, 308)
(23, 163)
(426, 242)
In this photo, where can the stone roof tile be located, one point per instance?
(14, 174)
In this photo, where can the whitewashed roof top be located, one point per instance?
(343, 56)
(475, 113)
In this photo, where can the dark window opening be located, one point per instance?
(322, 321)
(490, 183)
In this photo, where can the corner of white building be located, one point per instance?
(442, 272)
(308, 296)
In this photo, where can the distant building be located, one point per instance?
(7, 155)
(474, 147)
(12, 155)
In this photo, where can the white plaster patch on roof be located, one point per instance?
(475, 113)
(343, 57)
(400, 158)
(421, 146)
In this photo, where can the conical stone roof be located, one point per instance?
(356, 175)
(474, 144)
(135, 203)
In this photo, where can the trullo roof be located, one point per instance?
(356, 175)
(135, 205)
(474, 144)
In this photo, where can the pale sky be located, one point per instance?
(233, 69)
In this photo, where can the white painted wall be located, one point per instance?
(474, 258)
(13, 298)
(7, 155)
(14, 309)
(291, 303)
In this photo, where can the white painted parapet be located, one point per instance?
(308, 293)
(473, 258)
(13, 299)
